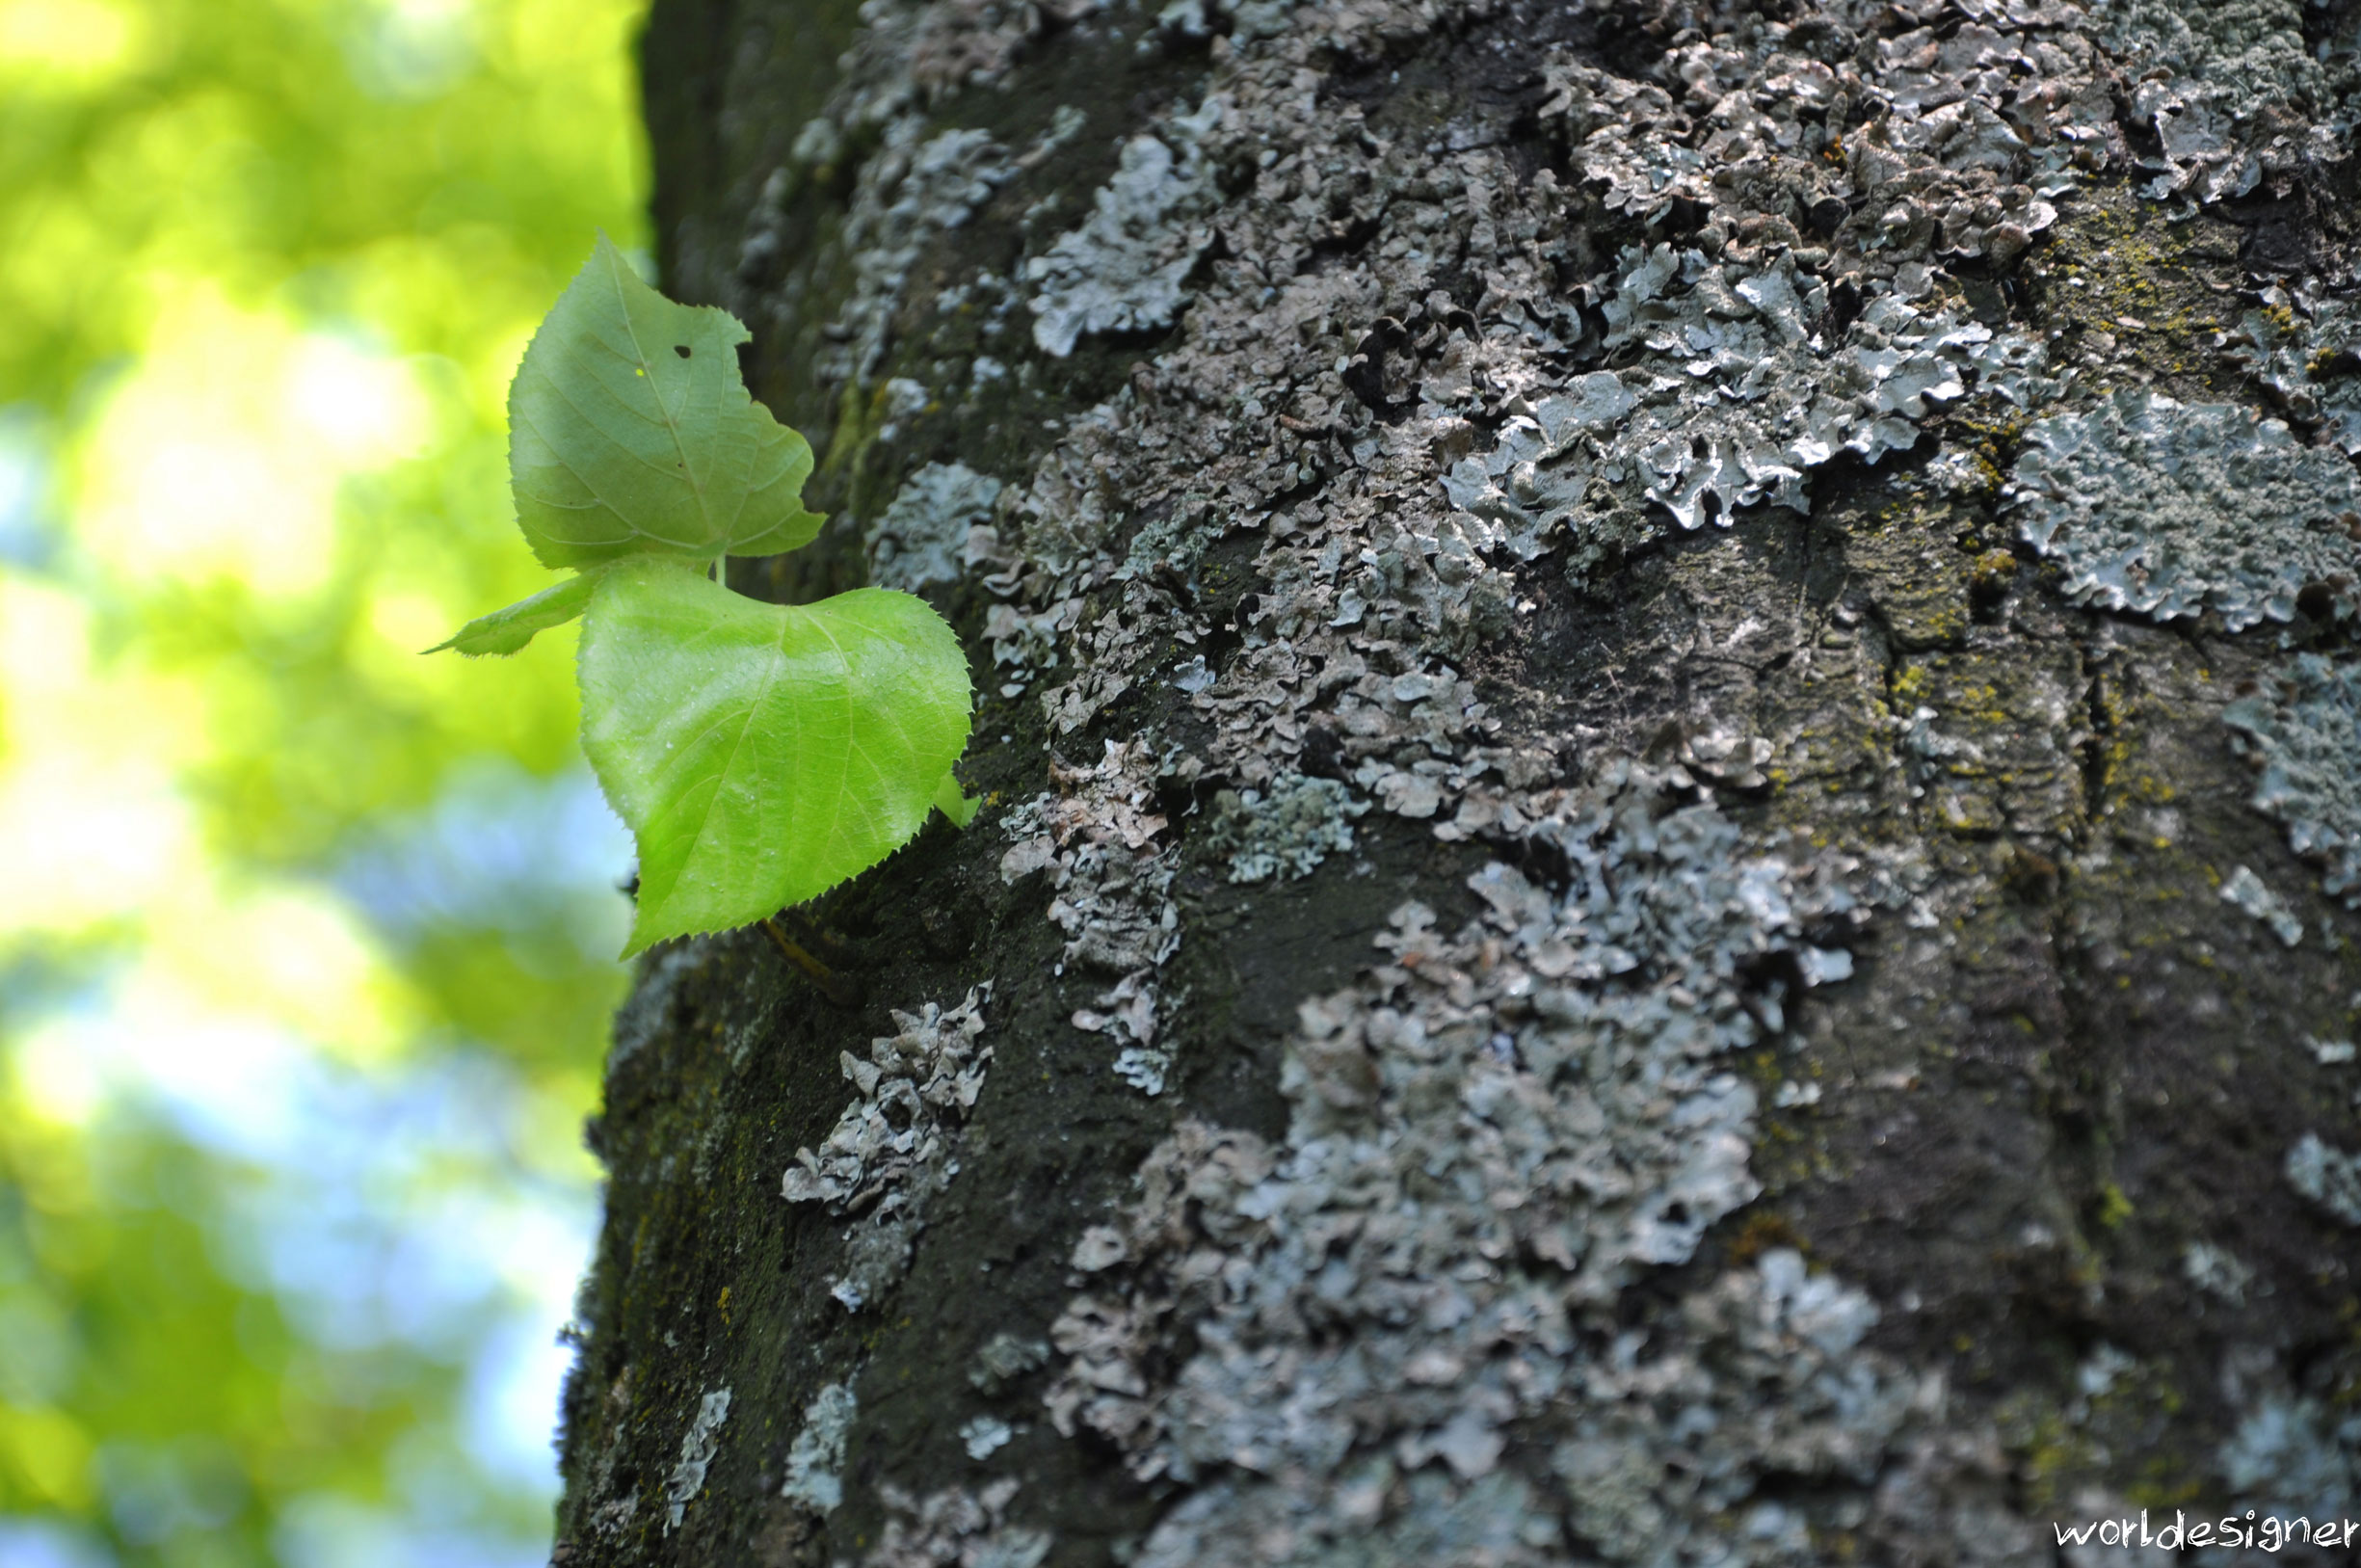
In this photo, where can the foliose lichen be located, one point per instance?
(1738, 398)
(910, 192)
(698, 1447)
(1122, 270)
(2217, 1271)
(1285, 830)
(1492, 1136)
(2306, 354)
(816, 1459)
(2232, 89)
(1991, 109)
(1493, 1523)
(1113, 880)
(1003, 1358)
(2170, 510)
(922, 537)
(983, 1436)
(1438, 1319)
(2304, 737)
(894, 1147)
(955, 1529)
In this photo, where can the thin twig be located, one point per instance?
(813, 934)
(836, 988)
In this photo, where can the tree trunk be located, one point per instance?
(1671, 843)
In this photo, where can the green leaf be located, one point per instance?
(953, 803)
(630, 432)
(761, 754)
(505, 631)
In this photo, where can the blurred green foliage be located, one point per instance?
(304, 954)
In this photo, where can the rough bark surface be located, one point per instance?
(1670, 716)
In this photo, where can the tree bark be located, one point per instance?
(1669, 857)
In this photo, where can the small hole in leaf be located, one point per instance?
(681, 349)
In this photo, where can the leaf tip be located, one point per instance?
(954, 803)
(638, 940)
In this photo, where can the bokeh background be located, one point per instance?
(305, 940)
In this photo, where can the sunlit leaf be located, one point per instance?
(761, 753)
(632, 431)
(505, 631)
(953, 803)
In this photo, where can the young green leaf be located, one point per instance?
(505, 631)
(953, 803)
(760, 753)
(630, 432)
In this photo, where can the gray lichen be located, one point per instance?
(816, 1459)
(914, 1088)
(892, 1148)
(983, 1436)
(1247, 18)
(2291, 1458)
(1738, 399)
(2170, 510)
(1122, 269)
(1504, 1130)
(922, 537)
(1145, 1067)
(2329, 1176)
(1003, 1358)
(2232, 89)
(2217, 1271)
(1285, 830)
(1097, 837)
(1492, 1137)
(1985, 117)
(1493, 1524)
(2249, 893)
(910, 192)
(955, 1529)
(1443, 1316)
(2309, 363)
(698, 1447)
(2251, 48)
(2305, 738)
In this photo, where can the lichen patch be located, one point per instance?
(1492, 1137)
(816, 1459)
(955, 1529)
(698, 1447)
(922, 539)
(1122, 269)
(2305, 739)
(892, 1148)
(2170, 510)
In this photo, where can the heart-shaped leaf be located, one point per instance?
(761, 754)
(630, 432)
